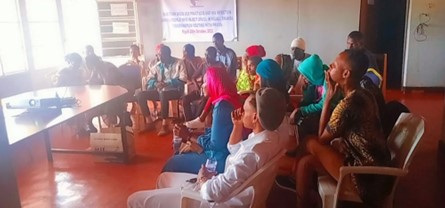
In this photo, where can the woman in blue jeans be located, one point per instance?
(213, 143)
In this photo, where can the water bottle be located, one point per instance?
(211, 164)
(176, 143)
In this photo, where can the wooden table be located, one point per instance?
(21, 124)
(14, 128)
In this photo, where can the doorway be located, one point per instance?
(383, 23)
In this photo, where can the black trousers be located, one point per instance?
(187, 104)
(164, 96)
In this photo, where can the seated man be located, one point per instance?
(356, 40)
(135, 59)
(191, 62)
(106, 73)
(263, 114)
(356, 121)
(197, 79)
(165, 82)
(298, 48)
(73, 74)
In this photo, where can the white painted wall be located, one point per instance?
(424, 62)
(273, 24)
(325, 25)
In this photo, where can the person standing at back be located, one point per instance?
(225, 55)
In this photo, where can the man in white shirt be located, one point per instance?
(263, 114)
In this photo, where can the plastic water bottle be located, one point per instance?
(176, 143)
(211, 165)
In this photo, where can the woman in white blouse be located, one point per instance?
(263, 114)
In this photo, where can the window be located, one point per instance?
(81, 29)
(45, 33)
(12, 50)
(36, 34)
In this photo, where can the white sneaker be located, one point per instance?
(195, 124)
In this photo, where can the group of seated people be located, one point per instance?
(341, 102)
(247, 118)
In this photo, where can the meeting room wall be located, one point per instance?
(424, 64)
(274, 24)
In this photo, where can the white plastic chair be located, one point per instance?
(402, 143)
(261, 181)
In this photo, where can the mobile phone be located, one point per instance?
(192, 180)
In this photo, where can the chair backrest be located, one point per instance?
(131, 76)
(391, 112)
(261, 181)
(382, 62)
(404, 138)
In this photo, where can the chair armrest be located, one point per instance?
(377, 170)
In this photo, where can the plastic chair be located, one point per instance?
(402, 143)
(261, 182)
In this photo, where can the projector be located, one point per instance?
(42, 103)
(35, 103)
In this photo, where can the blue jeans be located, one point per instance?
(189, 163)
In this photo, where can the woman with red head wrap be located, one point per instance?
(213, 143)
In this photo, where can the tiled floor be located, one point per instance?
(79, 181)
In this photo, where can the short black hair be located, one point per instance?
(134, 47)
(73, 58)
(358, 63)
(165, 50)
(211, 50)
(190, 49)
(255, 60)
(218, 36)
(356, 35)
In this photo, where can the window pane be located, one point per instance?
(75, 25)
(8, 11)
(46, 45)
(41, 10)
(12, 51)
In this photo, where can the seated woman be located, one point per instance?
(271, 75)
(247, 76)
(244, 84)
(262, 113)
(312, 84)
(356, 120)
(213, 143)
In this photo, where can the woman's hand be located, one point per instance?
(237, 117)
(332, 86)
(190, 147)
